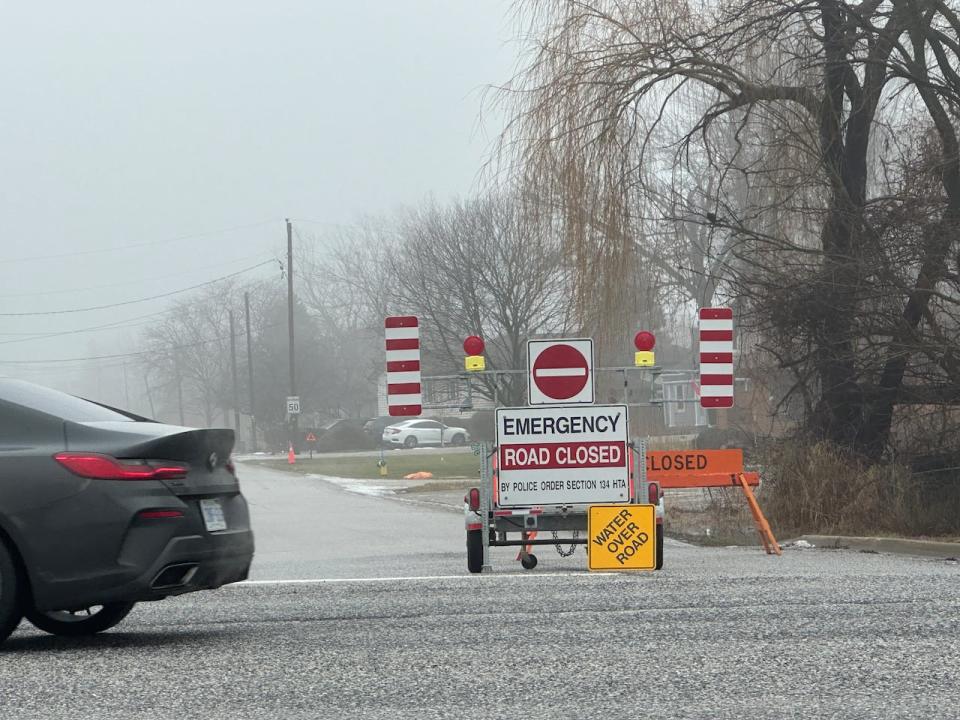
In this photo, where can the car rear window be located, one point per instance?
(56, 403)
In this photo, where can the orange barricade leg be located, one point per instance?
(770, 545)
(526, 548)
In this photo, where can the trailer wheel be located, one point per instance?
(529, 561)
(474, 551)
(659, 537)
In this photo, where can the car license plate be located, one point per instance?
(213, 515)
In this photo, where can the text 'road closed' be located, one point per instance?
(621, 537)
(563, 455)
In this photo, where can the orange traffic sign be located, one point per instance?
(622, 537)
(671, 463)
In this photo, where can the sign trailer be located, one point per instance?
(555, 460)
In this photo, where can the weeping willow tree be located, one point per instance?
(770, 150)
(594, 164)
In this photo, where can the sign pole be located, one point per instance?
(486, 502)
(293, 383)
(253, 414)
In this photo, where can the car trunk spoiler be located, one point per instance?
(206, 451)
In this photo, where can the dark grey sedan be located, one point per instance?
(100, 509)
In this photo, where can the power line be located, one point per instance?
(116, 356)
(139, 353)
(131, 282)
(327, 223)
(139, 300)
(179, 238)
(131, 322)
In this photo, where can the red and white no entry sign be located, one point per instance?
(560, 371)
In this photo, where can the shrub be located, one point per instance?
(823, 488)
(481, 426)
(344, 438)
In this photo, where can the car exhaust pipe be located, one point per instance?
(173, 576)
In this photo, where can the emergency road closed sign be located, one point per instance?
(562, 455)
(621, 537)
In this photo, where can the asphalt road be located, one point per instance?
(360, 607)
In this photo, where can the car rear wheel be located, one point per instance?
(88, 621)
(474, 551)
(458, 440)
(10, 594)
(410, 442)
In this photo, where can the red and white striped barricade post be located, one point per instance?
(404, 391)
(716, 358)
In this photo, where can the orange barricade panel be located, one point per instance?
(684, 463)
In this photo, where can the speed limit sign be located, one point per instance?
(293, 405)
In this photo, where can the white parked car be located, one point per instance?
(413, 432)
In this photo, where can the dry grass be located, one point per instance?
(820, 488)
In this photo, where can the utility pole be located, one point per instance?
(146, 384)
(233, 370)
(126, 389)
(293, 382)
(253, 421)
(180, 393)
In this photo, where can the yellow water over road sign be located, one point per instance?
(621, 537)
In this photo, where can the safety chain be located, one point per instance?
(573, 546)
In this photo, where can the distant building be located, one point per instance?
(441, 396)
(681, 407)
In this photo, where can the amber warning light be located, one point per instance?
(644, 342)
(473, 346)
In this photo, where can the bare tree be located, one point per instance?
(343, 286)
(189, 355)
(478, 267)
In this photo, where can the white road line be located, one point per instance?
(560, 372)
(416, 578)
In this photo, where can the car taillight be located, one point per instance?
(231, 467)
(473, 499)
(653, 493)
(104, 467)
(160, 514)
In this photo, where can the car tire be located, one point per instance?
(74, 624)
(410, 443)
(659, 549)
(474, 551)
(11, 600)
(458, 440)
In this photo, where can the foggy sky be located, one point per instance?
(125, 123)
